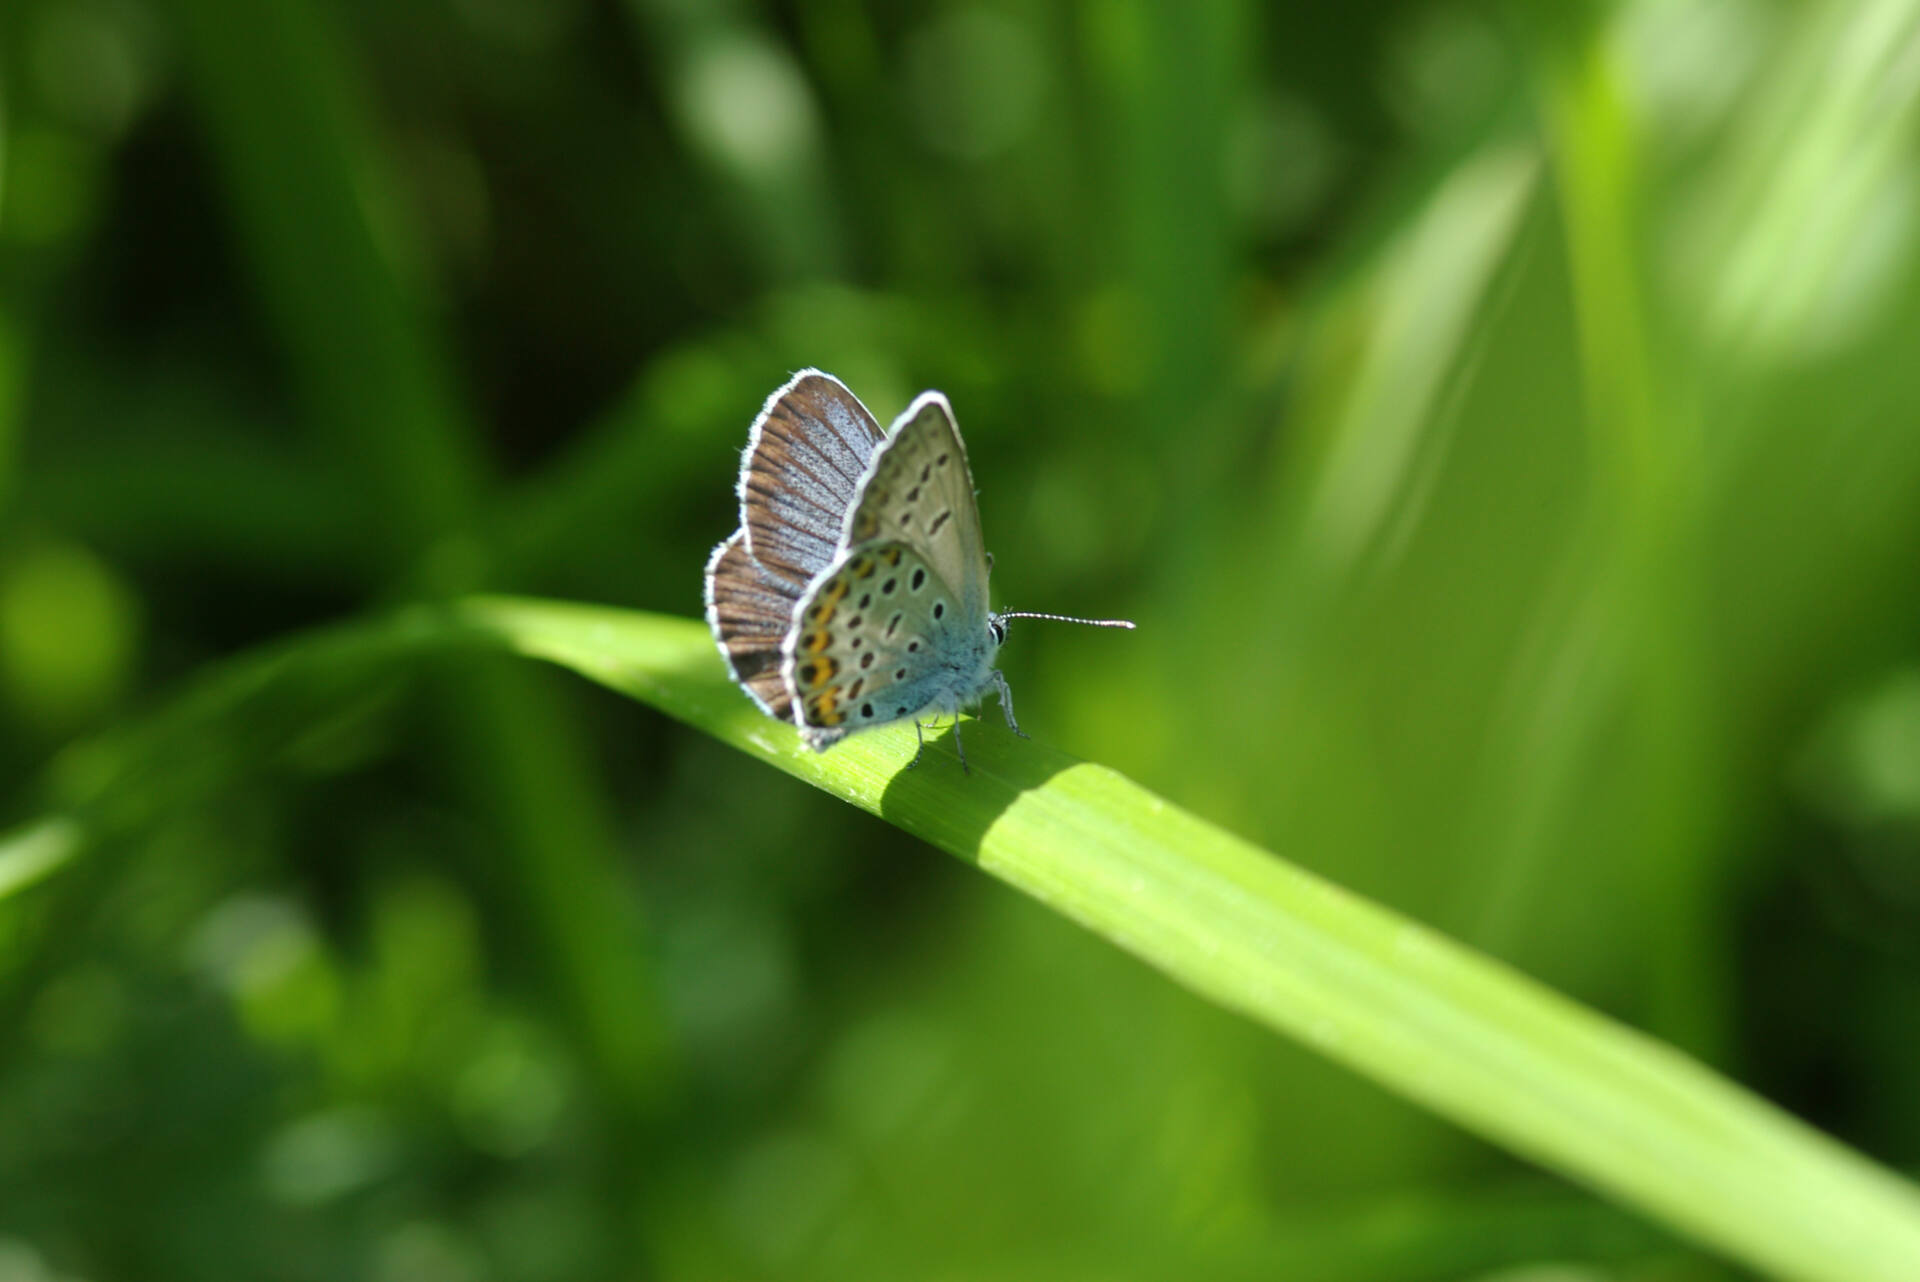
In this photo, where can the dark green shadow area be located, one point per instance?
(955, 808)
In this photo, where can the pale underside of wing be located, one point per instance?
(806, 455)
(879, 638)
(919, 491)
(750, 612)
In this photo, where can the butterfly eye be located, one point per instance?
(997, 630)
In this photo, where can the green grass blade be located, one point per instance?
(1410, 1009)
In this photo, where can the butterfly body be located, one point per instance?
(854, 593)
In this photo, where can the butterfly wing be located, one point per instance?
(750, 611)
(880, 636)
(918, 490)
(806, 456)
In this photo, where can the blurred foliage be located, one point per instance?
(1501, 422)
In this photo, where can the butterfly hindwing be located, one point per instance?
(806, 455)
(878, 638)
(750, 612)
(919, 491)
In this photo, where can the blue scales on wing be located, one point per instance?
(918, 490)
(881, 637)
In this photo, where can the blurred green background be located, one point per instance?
(1500, 420)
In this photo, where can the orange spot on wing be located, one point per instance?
(817, 672)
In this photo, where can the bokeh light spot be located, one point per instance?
(749, 108)
(67, 633)
(320, 1158)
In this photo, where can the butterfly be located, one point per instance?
(854, 593)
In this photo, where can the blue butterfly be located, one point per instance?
(854, 593)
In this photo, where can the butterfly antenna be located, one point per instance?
(1067, 618)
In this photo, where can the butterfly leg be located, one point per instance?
(921, 736)
(1006, 703)
(964, 767)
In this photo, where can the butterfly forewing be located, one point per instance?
(750, 611)
(879, 638)
(920, 493)
(806, 454)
